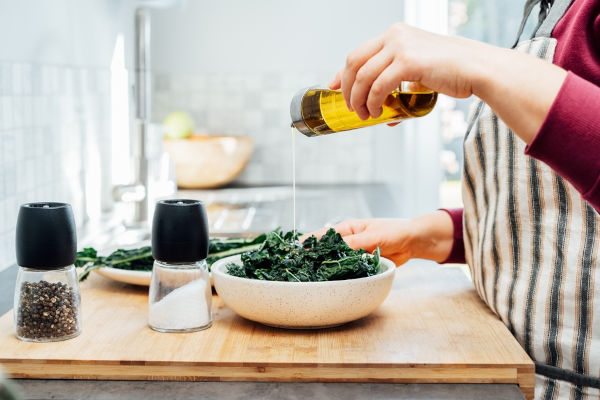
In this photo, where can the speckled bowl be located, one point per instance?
(302, 305)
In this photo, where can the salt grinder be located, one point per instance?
(180, 295)
(47, 299)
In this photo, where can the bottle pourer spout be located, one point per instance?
(296, 113)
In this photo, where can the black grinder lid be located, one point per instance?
(46, 236)
(179, 231)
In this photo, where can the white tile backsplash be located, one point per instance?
(55, 83)
(257, 105)
(45, 112)
(7, 112)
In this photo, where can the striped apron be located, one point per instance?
(532, 244)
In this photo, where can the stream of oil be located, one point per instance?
(294, 176)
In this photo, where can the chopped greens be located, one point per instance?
(221, 248)
(141, 259)
(281, 257)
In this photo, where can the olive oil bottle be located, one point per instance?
(317, 111)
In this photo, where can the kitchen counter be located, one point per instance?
(257, 208)
(38, 389)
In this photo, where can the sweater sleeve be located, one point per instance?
(569, 139)
(457, 254)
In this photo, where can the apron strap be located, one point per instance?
(557, 11)
(529, 4)
(546, 20)
(566, 375)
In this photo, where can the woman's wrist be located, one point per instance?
(432, 236)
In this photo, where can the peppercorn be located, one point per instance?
(47, 311)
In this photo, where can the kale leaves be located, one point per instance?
(221, 248)
(135, 259)
(281, 257)
(275, 256)
(141, 259)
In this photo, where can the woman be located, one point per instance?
(530, 229)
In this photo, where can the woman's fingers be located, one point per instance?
(345, 228)
(354, 62)
(318, 234)
(368, 241)
(389, 79)
(349, 227)
(365, 78)
(336, 83)
(362, 240)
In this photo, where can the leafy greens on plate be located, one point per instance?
(281, 257)
(135, 259)
(140, 259)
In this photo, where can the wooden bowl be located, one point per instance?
(203, 162)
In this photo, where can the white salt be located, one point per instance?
(184, 308)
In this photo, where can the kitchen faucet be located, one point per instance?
(142, 107)
(137, 192)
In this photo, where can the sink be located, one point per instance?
(252, 210)
(246, 211)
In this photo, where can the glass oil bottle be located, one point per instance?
(316, 111)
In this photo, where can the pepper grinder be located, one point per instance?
(180, 295)
(47, 300)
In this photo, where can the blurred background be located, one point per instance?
(81, 111)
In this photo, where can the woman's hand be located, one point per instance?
(404, 53)
(519, 87)
(429, 236)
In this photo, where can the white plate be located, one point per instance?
(141, 278)
(132, 277)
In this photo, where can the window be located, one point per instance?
(490, 21)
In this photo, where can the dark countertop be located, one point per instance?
(147, 390)
(41, 389)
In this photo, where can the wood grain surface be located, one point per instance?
(433, 328)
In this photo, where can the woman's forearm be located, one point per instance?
(520, 88)
(553, 112)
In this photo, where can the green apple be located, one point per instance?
(178, 125)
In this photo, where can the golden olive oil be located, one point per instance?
(294, 176)
(323, 111)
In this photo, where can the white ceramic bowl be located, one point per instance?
(302, 305)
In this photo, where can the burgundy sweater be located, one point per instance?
(569, 138)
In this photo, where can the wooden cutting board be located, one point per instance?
(433, 328)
